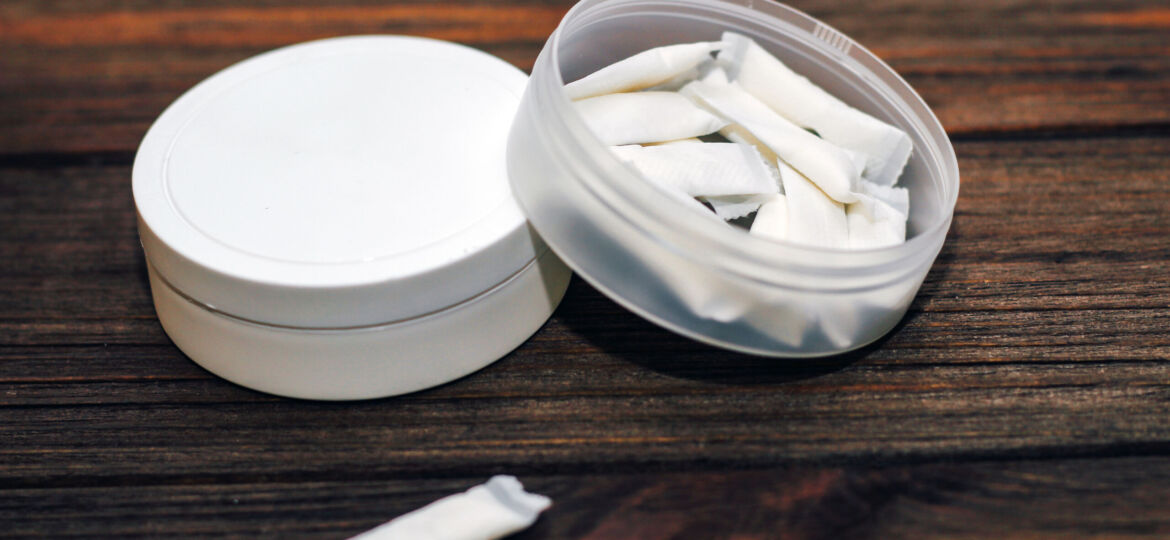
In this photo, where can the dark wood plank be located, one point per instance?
(83, 77)
(590, 412)
(92, 78)
(1118, 498)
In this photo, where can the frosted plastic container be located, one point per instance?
(715, 283)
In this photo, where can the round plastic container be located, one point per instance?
(714, 283)
(332, 220)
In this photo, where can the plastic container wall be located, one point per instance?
(711, 282)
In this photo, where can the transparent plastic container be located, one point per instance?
(710, 282)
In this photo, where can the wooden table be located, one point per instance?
(1026, 394)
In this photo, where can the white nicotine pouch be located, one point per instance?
(715, 75)
(897, 197)
(664, 180)
(688, 140)
(731, 177)
(772, 218)
(646, 117)
(702, 169)
(488, 511)
(643, 70)
(874, 224)
(675, 83)
(729, 207)
(814, 219)
(885, 148)
(828, 166)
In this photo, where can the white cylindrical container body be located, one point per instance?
(710, 282)
(366, 362)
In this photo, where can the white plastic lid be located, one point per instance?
(338, 183)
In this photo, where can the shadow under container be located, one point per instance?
(714, 283)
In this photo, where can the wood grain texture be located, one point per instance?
(1121, 498)
(1025, 395)
(90, 77)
